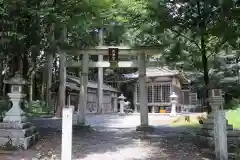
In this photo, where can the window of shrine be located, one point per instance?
(157, 93)
(193, 98)
(166, 92)
(150, 93)
(106, 93)
(138, 93)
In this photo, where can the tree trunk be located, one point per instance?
(62, 85)
(1, 78)
(25, 65)
(205, 73)
(49, 79)
(31, 87)
(43, 85)
(55, 66)
(203, 34)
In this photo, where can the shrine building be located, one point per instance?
(161, 82)
(110, 94)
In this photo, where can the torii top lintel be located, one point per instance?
(123, 50)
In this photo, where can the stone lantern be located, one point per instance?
(16, 114)
(15, 125)
(174, 101)
(122, 103)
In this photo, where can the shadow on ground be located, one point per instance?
(110, 138)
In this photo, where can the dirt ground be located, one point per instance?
(113, 137)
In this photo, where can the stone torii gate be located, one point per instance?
(141, 64)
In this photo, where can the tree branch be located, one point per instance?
(182, 35)
(217, 48)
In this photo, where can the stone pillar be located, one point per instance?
(69, 100)
(135, 99)
(115, 103)
(173, 98)
(143, 95)
(100, 86)
(82, 104)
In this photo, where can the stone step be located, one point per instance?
(21, 133)
(208, 151)
(209, 141)
(24, 143)
(211, 121)
(14, 125)
(211, 126)
(210, 133)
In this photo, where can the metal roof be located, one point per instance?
(159, 72)
(91, 84)
(154, 72)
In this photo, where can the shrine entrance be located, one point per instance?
(113, 53)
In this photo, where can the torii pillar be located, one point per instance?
(144, 126)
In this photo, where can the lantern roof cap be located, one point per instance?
(122, 97)
(17, 80)
(173, 95)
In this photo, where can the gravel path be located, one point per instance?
(114, 137)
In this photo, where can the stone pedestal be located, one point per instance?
(145, 128)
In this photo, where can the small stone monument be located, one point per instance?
(15, 128)
(122, 103)
(174, 101)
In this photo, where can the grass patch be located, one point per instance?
(233, 117)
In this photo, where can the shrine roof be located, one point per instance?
(73, 83)
(92, 84)
(158, 72)
(154, 72)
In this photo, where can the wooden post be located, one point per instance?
(66, 153)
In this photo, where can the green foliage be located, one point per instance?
(233, 104)
(4, 107)
(233, 118)
(37, 107)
